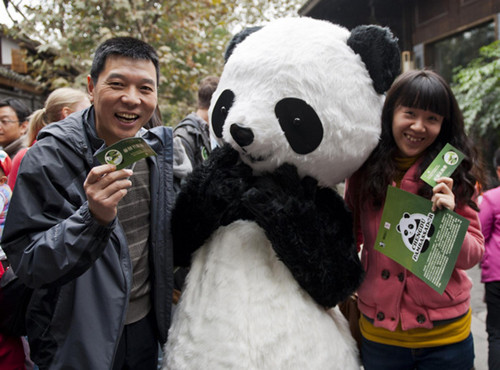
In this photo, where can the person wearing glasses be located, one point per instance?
(13, 125)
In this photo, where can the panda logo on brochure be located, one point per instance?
(408, 226)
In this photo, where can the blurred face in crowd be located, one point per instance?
(10, 127)
(124, 97)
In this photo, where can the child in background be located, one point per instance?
(405, 324)
(11, 348)
(5, 195)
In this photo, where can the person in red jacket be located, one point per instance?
(11, 348)
(404, 323)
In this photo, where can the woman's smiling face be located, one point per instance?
(414, 129)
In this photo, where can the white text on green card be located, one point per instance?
(448, 159)
(125, 152)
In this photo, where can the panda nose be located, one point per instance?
(242, 135)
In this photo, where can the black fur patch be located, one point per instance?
(311, 231)
(309, 227)
(238, 38)
(210, 198)
(379, 51)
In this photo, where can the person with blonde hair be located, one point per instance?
(59, 104)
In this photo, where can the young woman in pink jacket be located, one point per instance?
(406, 324)
(490, 266)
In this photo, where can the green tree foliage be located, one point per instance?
(190, 37)
(477, 89)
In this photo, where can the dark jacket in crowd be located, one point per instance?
(195, 137)
(81, 270)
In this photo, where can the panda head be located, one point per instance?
(305, 92)
(407, 226)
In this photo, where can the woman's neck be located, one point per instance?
(403, 164)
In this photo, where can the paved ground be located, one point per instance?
(479, 320)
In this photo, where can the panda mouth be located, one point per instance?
(255, 159)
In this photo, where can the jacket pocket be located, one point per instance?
(456, 292)
(39, 317)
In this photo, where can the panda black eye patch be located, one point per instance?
(300, 123)
(221, 109)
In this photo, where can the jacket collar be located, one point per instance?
(89, 126)
(410, 175)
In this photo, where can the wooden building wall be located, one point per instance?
(435, 19)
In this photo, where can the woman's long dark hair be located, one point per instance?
(426, 90)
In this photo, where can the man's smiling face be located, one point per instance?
(124, 97)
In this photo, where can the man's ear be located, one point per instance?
(90, 88)
(24, 127)
(3, 180)
(65, 112)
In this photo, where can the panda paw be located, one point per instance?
(227, 179)
(274, 194)
(210, 198)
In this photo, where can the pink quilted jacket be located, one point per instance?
(490, 224)
(391, 294)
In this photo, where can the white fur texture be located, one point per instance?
(307, 59)
(242, 309)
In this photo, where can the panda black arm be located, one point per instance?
(311, 231)
(210, 198)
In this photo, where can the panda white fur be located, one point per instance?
(298, 106)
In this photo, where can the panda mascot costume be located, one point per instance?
(268, 239)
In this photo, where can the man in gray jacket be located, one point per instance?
(193, 130)
(94, 242)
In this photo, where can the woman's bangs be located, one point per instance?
(427, 94)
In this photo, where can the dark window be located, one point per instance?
(445, 55)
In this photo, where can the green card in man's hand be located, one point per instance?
(125, 152)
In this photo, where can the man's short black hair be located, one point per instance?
(22, 111)
(129, 47)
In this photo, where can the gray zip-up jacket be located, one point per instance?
(81, 270)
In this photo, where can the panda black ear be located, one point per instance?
(239, 37)
(379, 50)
